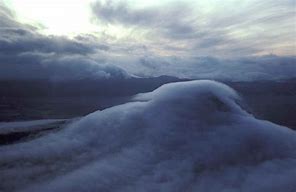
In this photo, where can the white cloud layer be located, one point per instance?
(191, 136)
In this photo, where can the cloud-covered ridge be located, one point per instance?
(191, 136)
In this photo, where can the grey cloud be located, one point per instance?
(121, 13)
(51, 66)
(170, 20)
(6, 16)
(26, 54)
(15, 40)
(268, 67)
(175, 23)
(79, 67)
(246, 28)
(250, 13)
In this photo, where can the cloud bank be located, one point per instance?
(192, 136)
(269, 67)
(176, 39)
(26, 54)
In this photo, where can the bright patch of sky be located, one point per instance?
(194, 28)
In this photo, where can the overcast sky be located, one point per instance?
(141, 31)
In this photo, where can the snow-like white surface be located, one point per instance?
(20, 126)
(190, 136)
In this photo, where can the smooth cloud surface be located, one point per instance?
(191, 136)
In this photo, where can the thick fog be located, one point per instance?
(189, 136)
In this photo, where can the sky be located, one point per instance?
(143, 37)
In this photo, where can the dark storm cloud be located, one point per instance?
(27, 54)
(16, 39)
(23, 41)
